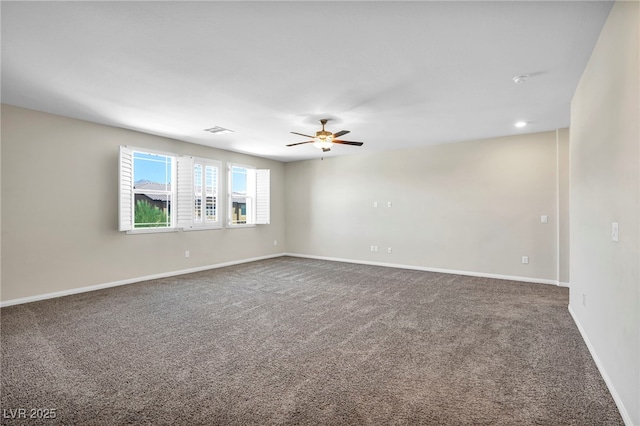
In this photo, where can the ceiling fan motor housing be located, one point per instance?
(323, 135)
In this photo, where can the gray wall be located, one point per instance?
(59, 210)
(563, 208)
(470, 206)
(605, 188)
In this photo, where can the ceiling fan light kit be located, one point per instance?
(323, 142)
(324, 139)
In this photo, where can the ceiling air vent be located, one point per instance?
(217, 130)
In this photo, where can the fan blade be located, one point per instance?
(302, 134)
(300, 143)
(340, 133)
(348, 142)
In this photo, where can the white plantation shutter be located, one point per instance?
(211, 193)
(185, 192)
(263, 196)
(125, 201)
(197, 193)
(229, 195)
(205, 192)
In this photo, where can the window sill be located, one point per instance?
(151, 230)
(202, 228)
(247, 225)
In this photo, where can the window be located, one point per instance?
(248, 195)
(162, 192)
(146, 190)
(152, 190)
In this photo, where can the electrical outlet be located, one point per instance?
(389, 204)
(544, 218)
(525, 259)
(275, 242)
(375, 204)
(374, 248)
(186, 253)
(389, 250)
(614, 231)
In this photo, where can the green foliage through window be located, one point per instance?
(149, 216)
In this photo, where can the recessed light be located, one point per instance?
(519, 79)
(217, 130)
(521, 124)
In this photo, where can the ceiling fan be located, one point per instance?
(324, 139)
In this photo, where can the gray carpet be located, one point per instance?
(299, 341)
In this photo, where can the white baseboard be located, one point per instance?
(424, 268)
(623, 411)
(563, 284)
(130, 281)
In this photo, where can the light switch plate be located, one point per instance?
(614, 231)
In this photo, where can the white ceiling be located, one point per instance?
(397, 74)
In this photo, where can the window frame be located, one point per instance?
(230, 224)
(259, 196)
(127, 201)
